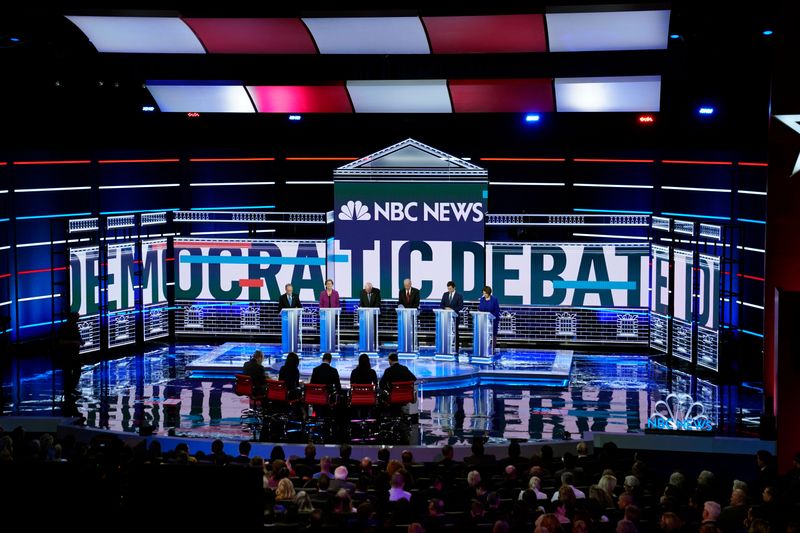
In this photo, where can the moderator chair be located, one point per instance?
(320, 401)
(250, 418)
(279, 422)
(396, 424)
(363, 399)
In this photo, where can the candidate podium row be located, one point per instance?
(407, 341)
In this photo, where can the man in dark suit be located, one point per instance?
(453, 299)
(255, 369)
(325, 374)
(370, 296)
(395, 372)
(289, 299)
(408, 296)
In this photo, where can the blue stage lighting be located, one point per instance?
(674, 36)
(766, 32)
(532, 117)
(295, 117)
(16, 39)
(705, 110)
(148, 108)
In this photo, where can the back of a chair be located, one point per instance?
(243, 385)
(401, 392)
(362, 395)
(276, 391)
(316, 394)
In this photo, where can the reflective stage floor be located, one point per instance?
(532, 395)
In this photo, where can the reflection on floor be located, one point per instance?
(171, 389)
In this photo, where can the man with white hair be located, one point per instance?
(408, 296)
(339, 481)
(732, 517)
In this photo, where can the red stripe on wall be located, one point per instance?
(251, 282)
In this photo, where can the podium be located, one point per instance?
(291, 332)
(368, 329)
(329, 330)
(482, 337)
(446, 323)
(407, 344)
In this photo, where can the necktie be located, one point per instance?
(408, 295)
(290, 300)
(451, 297)
(369, 297)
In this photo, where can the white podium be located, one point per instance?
(482, 337)
(291, 332)
(446, 320)
(407, 344)
(329, 330)
(368, 330)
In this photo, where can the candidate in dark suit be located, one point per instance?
(453, 299)
(289, 299)
(254, 368)
(370, 296)
(490, 304)
(408, 296)
(325, 374)
(395, 373)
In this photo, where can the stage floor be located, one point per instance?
(533, 395)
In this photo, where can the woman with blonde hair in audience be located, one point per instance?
(285, 490)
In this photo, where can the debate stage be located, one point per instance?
(535, 395)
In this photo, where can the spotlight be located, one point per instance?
(295, 117)
(16, 39)
(706, 110)
(148, 108)
(674, 36)
(532, 117)
(646, 119)
(192, 114)
(767, 32)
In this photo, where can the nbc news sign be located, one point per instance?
(431, 232)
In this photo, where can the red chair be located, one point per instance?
(363, 395)
(395, 424)
(363, 398)
(279, 419)
(317, 395)
(277, 391)
(243, 386)
(318, 398)
(402, 393)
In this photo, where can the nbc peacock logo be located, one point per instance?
(354, 211)
(679, 412)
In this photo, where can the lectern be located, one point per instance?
(329, 330)
(291, 332)
(407, 345)
(482, 332)
(368, 330)
(446, 320)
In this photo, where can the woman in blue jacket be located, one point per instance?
(489, 304)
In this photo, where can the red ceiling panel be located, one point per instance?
(253, 36)
(491, 34)
(502, 96)
(301, 98)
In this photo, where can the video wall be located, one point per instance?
(111, 290)
(685, 305)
